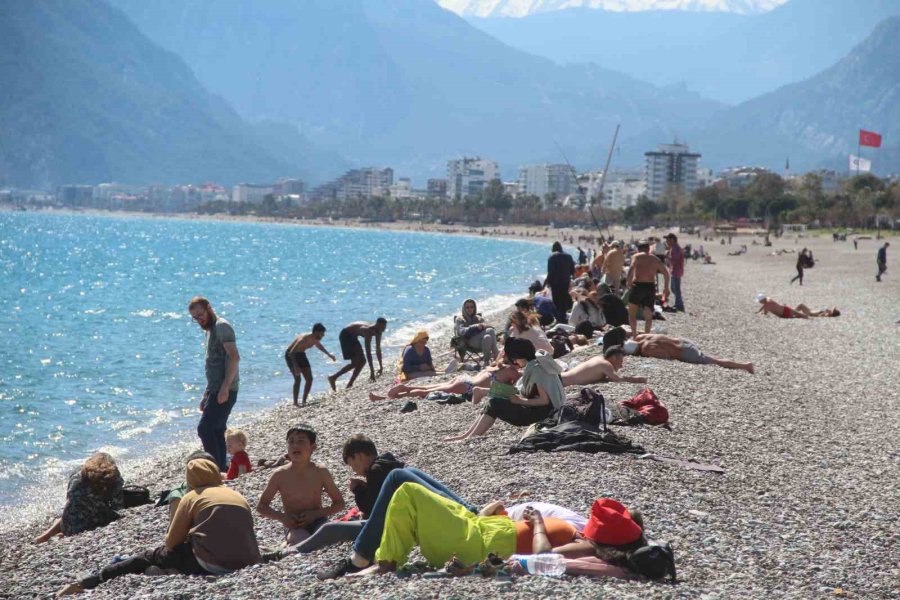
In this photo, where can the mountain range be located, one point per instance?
(523, 8)
(724, 56)
(816, 122)
(86, 98)
(405, 83)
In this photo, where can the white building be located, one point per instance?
(402, 189)
(622, 193)
(251, 193)
(365, 183)
(469, 176)
(671, 168)
(542, 180)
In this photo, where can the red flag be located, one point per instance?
(869, 138)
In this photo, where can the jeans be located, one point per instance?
(676, 289)
(333, 532)
(181, 558)
(212, 425)
(370, 537)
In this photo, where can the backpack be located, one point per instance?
(654, 561)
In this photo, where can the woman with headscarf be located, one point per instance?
(540, 391)
(471, 327)
(415, 361)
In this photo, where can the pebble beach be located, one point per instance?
(806, 508)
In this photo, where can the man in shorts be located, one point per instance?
(664, 347)
(298, 363)
(352, 349)
(641, 283)
(613, 265)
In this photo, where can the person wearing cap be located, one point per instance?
(600, 369)
(676, 268)
(642, 285)
(540, 391)
(210, 534)
(415, 360)
(654, 345)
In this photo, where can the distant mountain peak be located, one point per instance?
(523, 8)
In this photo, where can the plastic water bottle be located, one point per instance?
(553, 565)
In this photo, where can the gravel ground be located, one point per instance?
(807, 507)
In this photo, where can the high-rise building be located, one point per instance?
(542, 180)
(671, 168)
(365, 183)
(469, 176)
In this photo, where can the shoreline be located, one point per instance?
(803, 508)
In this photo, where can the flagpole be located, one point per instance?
(858, 154)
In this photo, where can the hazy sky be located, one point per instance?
(520, 8)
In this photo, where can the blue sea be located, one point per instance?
(97, 350)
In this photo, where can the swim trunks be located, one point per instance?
(643, 294)
(690, 353)
(350, 346)
(296, 361)
(788, 313)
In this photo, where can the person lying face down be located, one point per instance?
(654, 345)
(600, 369)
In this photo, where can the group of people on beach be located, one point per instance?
(517, 377)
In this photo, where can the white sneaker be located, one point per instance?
(452, 367)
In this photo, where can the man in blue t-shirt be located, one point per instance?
(222, 379)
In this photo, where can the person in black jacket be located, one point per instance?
(560, 269)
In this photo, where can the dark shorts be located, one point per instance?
(296, 361)
(643, 294)
(516, 414)
(350, 346)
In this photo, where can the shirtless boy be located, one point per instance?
(295, 356)
(654, 345)
(642, 283)
(352, 349)
(600, 369)
(300, 484)
(613, 264)
(769, 306)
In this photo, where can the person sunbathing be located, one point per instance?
(769, 306)
(458, 385)
(600, 369)
(827, 312)
(540, 392)
(664, 347)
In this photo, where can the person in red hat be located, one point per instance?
(612, 531)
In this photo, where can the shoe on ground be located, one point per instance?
(409, 407)
(451, 368)
(343, 567)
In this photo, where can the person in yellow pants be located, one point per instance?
(441, 528)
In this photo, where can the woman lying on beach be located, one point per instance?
(525, 324)
(458, 385)
(471, 327)
(540, 392)
(415, 361)
(443, 529)
(802, 311)
(92, 499)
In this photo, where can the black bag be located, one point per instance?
(135, 495)
(654, 561)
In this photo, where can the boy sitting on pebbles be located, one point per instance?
(300, 484)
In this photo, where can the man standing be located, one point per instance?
(642, 285)
(613, 265)
(352, 349)
(676, 266)
(222, 360)
(560, 269)
(882, 261)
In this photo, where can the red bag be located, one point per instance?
(648, 405)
